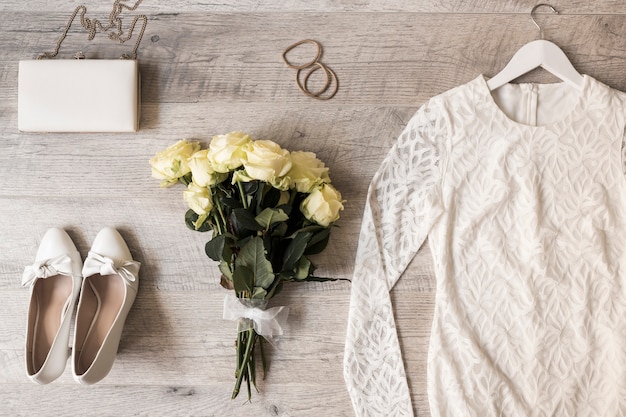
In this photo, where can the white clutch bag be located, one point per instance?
(82, 95)
(78, 95)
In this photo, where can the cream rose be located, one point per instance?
(307, 171)
(202, 171)
(225, 151)
(266, 161)
(198, 198)
(322, 205)
(171, 164)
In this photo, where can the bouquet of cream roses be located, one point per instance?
(268, 209)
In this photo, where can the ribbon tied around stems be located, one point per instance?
(103, 265)
(267, 323)
(47, 268)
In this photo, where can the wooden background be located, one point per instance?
(214, 67)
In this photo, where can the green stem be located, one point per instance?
(239, 355)
(244, 199)
(252, 368)
(186, 179)
(248, 382)
(223, 226)
(221, 212)
(263, 362)
(292, 197)
(242, 370)
(218, 225)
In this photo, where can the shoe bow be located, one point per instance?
(103, 265)
(47, 268)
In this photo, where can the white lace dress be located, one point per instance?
(522, 195)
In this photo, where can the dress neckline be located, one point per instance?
(578, 107)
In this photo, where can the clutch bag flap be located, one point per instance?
(78, 95)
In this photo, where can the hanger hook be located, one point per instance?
(533, 18)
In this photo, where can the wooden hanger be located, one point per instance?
(538, 53)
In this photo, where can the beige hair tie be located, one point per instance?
(318, 55)
(314, 65)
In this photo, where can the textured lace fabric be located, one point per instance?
(524, 206)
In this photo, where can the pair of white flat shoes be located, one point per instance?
(107, 282)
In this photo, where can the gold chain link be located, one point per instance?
(94, 26)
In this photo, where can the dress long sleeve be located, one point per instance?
(402, 205)
(521, 194)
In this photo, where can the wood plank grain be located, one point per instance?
(180, 335)
(386, 59)
(172, 256)
(214, 67)
(176, 344)
(174, 400)
(87, 157)
(351, 141)
(101, 9)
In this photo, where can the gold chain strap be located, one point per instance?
(94, 26)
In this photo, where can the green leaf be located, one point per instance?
(295, 250)
(259, 293)
(214, 248)
(303, 268)
(318, 242)
(319, 236)
(225, 270)
(190, 220)
(313, 229)
(270, 216)
(271, 198)
(243, 242)
(250, 187)
(287, 208)
(243, 279)
(275, 289)
(252, 256)
(280, 230)
(244, 221)
(231, 202)
(258, 197)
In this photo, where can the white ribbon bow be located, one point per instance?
(47, 268)
(267, 323)
(103, 265)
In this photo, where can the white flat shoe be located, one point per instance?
(54, 281)
(108, 292)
